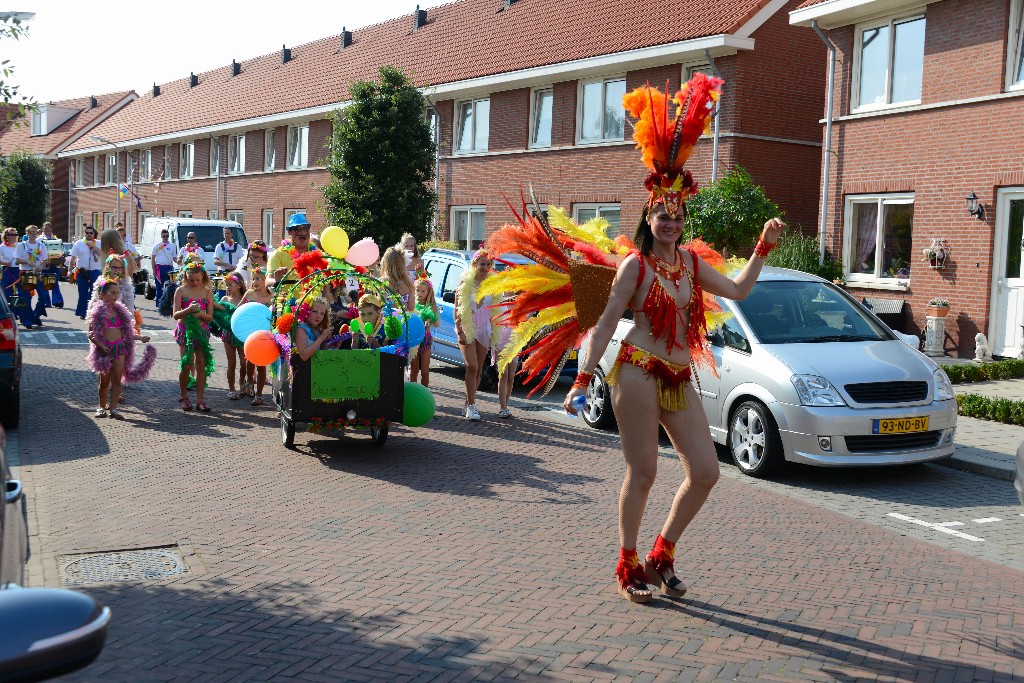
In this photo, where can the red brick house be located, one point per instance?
(49, 131)
(928, 111)
(523, 91)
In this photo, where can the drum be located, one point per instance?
(29, 280)
(49, 281)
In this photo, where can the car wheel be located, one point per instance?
(754, 439)
(287, 432)
(598, 410)
(379, 435)
(12, 413)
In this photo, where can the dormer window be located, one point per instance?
(39, 121)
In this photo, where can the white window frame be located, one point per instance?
(96, 171)
(236, 154)
(109, 218)
(469, 210)
(535, 112)
(184, 213)
(145, 165)
(79, 172)
(167, 162)
(38, 122)
(475, 102)
(268, 226)
(214, 157)
(212, 215)
(891, 22)
(79, 226)
(1015, 46)
(187, 160)
(599, 208)
(288, 213)
(604, 139)
(298, 146)
(236, 215)
(110, 170)
(882, 200)
(141, 221)
(269, 149)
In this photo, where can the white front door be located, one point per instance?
(1008, 275)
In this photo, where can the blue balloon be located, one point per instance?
(389, 349)
(248, 318)
(415, 329)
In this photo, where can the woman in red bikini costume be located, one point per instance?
(662, 283)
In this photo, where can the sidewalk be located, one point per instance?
(985, 447)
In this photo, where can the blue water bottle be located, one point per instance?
(578, 404)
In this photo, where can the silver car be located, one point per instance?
(807, 374)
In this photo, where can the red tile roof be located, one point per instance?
(13, 138)
(461, 40)
(808, 3)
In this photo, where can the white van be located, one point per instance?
(208, 235)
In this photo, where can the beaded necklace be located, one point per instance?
(671, 272)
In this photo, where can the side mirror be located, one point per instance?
(448, 297)
(48, 632)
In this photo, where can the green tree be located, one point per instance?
(731, 212)
(13, 105)
(800, 252)
(25, 198)
(382, 162)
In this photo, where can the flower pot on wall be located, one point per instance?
(938, 311)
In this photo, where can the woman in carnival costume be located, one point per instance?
(670, 288)
(473, 326)
(112, 354)
(193, 309)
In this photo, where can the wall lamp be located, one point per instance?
(974, 206)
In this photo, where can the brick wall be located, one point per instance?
(940, 155)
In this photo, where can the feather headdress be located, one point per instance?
(666, 138)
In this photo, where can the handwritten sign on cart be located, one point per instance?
(345, 374)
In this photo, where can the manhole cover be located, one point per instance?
(124, 565)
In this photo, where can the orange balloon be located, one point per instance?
(261, 349)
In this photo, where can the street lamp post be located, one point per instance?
(117, 169)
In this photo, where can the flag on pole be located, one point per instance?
(123, 190)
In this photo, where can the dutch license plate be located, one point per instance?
(574, 354)
(899, 425)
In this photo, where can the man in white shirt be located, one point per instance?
(190, 249)
(53, 245)
(86, 262)
(129, 247)
(163, 257)
(30, 255)
(228, 253)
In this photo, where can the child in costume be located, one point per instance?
(473, 326)
(313, 329)
(112, 351)
(426, 307)
(234, 287)
(395, 276)
(259, 293)
(193, 309)
(368, 329)
(115, 268)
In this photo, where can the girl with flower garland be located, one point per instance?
(193, 309)
(115, 269)
(473, 326)
(112, 354)
(313, 328)
(233, 346)
(426, 307)
(395, 276)
(260, 294)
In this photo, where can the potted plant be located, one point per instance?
(938, 307)
(937, 252)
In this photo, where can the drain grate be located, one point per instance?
(124, 565)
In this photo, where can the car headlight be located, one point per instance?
(943, 387)
(816, 391)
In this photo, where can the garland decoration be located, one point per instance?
(133, 374)
(426, 313)
(196, 336)
(305, 264)
(285, 322)
(392, 328)
(318, 425)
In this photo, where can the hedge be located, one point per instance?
(995, 409)
(961, 373)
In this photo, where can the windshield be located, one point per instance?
(209, 236)
(787, 312)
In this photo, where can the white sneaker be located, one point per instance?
(472, 413)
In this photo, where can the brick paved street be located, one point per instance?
(468, 551)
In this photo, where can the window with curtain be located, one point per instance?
(469, 225)
(880, 230)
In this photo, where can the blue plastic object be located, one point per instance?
(577, 404)
(297, 220)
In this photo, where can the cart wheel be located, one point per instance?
(287, 432)
(379, 435)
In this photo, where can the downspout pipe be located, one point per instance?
(437, 164)
(718, 105)
(828, 137)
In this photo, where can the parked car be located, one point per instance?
(47, 632)
(208, 235)
(808, 374)
(445, 267)
(66, 263)
(10, 366)
(1018, 479)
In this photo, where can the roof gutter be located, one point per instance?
(718, 108)
(828, 137)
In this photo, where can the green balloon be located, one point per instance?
(418, 406)
(368, 328)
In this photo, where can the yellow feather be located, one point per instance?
(524, 333)
(532, 278)
(594, 231)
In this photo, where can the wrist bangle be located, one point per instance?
(582, 379)
(763, 249)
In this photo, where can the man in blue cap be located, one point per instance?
(281, 259)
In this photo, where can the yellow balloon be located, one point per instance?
(334, 240)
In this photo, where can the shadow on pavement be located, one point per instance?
(213, 630)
